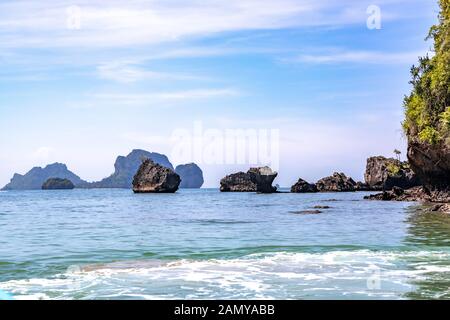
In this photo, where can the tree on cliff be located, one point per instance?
(427, 107)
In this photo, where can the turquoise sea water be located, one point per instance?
(203, 244)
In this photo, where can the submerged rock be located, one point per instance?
(302, 186)
(385, 173)
(58, 184)
(306, 212)
(338, 182)
(191, 175)
(154, 178)
(413, 194)
(255, 179)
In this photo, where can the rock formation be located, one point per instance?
(126, 167)
(57, 184)
(191, 175)
(431, 163)
(338, 182)
(35, 178)
(254, 180)
(427, 109)
(301, 186)
(385, 173)
(263, 178)
(154, 178)
(237, 182)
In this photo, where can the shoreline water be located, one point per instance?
(113, 244)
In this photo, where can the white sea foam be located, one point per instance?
(336, 274)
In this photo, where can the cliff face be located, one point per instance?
(35, 178)
(385, 173)
(427, 109)
(126, 168)
(431, 163)
(191, 175)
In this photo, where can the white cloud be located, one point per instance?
(123, 24)
(128, 72)
(155, 98)
(368, 57)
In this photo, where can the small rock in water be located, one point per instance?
(321, 207)
(441, 207)
(306, 212)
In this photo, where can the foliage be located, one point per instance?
(427, 113)
(393, 169)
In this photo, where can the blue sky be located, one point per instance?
(133, 72)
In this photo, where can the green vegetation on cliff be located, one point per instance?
(427, 108)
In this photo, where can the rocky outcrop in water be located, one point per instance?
(254, 180)
(35, 178)
(58, 184)
(191, 175)
(385, 173)
(237, 182)
(338, 182)
(302, 186)
(263, 178)
(126, 167)
(154, 178)
(413, 194)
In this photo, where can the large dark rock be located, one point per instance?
(237, 182)
(263, 178)
(57, 184)
(431, 163)
(338, 182)
(302, 186)
(126, 167)
(35, 178)
(385, 173)
(191, 175)
(154, 178)
(255, 179)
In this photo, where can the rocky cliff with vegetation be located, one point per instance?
(35, 178)
(427, 109)
(126, 167)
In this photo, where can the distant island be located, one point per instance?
(125, 168)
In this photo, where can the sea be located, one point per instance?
(204, 244)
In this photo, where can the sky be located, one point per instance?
(320, 82)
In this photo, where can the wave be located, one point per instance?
(357, 274)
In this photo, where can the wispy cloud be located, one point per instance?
(140, 22)
(156, 98)
(127, 72)
(367, 57)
